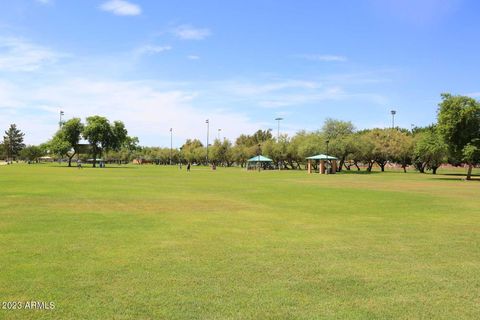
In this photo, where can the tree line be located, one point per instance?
(102, 137)
(454, 139)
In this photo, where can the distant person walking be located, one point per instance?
(188, 167)
(180, 166)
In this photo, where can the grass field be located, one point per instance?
(158, 243)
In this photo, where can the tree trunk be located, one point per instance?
(434, 170)
(94, 159)
(70, 159)
(404, 168)
(356, 165)
(382, 165)
(339, 168)
(469, 172)
(370, 165)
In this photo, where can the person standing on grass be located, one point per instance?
(188, 167)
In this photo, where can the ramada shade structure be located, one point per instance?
(322, 158)
(257, 161)
(259, 158)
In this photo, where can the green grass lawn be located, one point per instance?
(153, 242)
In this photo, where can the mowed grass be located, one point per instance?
(154, 242)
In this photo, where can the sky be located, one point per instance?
(157, 65)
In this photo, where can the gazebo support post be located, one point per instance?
(309, 166)
(322, 167)
(334, 166)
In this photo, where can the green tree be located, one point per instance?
(430, 150)
(402, 148)
(339, 134)
(66, 140)
(13, 141)
(190, 151)
(471, 155)
(221, 152)
(103, 136)
(363, 151)
(31, 153)
(381, 140)
(2, 151)
(459, 124)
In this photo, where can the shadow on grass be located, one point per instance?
(460, 174)
(358, 172)
(90, 167)
(455, 177)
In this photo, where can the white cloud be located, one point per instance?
(147, 108)
(187, 32)
(292, 93)
(249, 88)
(323, 57)
(416, 12)
(44, 1)
(152, 49)
(296, 99)
(473, 94)
(20, 55)
(121, 8)
(193, 57)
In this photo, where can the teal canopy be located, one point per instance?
(259, 159)
(322, 157)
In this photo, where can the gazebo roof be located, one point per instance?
(259, 159)
(322, 157)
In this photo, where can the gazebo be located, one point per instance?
(322, 158)
(258, 161)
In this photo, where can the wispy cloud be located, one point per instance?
(121, 8)
(322, 57)
(45, 2)
(148, 108)
(193, 57)
(289, 93)
(249, 88)
(188, 32)
(473, 94)
(17, 54)
(416, 12)
(152, 49)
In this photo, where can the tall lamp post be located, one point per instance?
(60, 121)
(278, 135)
(218, 133)
(278, 127)
(171, 144)
(328, 160)
(208, 133)
(259, 152)
(393, 112)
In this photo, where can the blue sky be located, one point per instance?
(161, 64)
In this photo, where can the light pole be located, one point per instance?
(278, 127)
(393, 112)
(328, 160)
(278, 135)
(171, 144)
(60, 121)
(259, 151)
(218, 134)
(208, 133)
